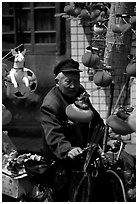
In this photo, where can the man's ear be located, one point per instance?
(57, 81)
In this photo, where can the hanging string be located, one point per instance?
(10, 51)
(8, 58)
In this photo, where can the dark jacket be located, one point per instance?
(59, 135)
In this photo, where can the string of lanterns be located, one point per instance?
(97, 15)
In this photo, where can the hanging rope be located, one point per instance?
(10, 52)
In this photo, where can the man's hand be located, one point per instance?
(74, 152)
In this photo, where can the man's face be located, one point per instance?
(69, 84)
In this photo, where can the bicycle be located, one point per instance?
(105, 176)
(101, 173)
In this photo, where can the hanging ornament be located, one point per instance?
(102, 78)
(132, 20)
(118, 28)
(6, 115)
(101, 17)
(90, 59)
(132, 120)
(78, 114)
(69, 10)
(131, 68)
(79, 111)
(4, 70)
(84, 14)
(77, 11)
(118, 125)
(95, 13)
(20, 81)
(126, 26)
(119, 122)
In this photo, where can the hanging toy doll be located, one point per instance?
(20, 81)
(18, 73)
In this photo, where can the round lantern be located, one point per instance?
(6, 115)
(22, 91)
(131, 69)
(132, 120)
(117, 28)
(126, 27)
(78, 115)
(118, 125)
(90, 60)
(95, 13)
(132, 20)
(84, 14)
(4, 70)
(69, 9)
(102, 78)
(77, 11)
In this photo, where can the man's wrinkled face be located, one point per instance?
(69, 84)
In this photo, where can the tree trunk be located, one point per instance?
(118, 46)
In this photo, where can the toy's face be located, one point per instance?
(19, 57)
(19, 60)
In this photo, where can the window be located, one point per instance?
(33, 24)
(8, 26)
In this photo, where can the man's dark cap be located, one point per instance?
(67, 65)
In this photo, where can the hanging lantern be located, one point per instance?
(95, 13)
(4, 70)
(131, 69)
(77, 11)
(118, 28)
(20, 81)
(78, 114)
(132, 120)
(84, 14)
(6, 115)
(102, 78)
(132, 20)
(22, 91)
(79, 111)
(90, 59)
(69, 10)
(118, 125)
(126, 27)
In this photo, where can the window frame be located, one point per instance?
(41, 48)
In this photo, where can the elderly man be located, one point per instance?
(62, 138)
